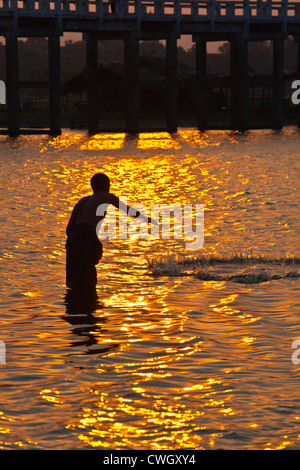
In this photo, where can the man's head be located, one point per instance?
(100, 182)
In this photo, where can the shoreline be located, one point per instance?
(36, 130)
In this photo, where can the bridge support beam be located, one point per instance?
(278, 84)
(92, 83)
(298, 75)
(12, 85)
(201, 84)
(132, 85)
(54, 90)
(239, 84)
(171, 84)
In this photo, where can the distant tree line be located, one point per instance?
(33, 65)
(33, 57)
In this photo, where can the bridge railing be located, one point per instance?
(215, 10)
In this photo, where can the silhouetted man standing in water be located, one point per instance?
(84, 249)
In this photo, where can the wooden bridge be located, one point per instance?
(73, 13)
(133, 20)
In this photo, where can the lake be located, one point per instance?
(178, 349)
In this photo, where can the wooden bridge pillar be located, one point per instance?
(132, 85)
(171, 84)
(54, 90)
(201, 84)
(12, 85)
(278, 83)
(239, 83)
(92, 83)
(298, 75)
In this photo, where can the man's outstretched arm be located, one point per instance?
(115, 201)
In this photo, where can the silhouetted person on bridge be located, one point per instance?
(83, 247)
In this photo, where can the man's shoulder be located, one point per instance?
(104, 197)
(81, 203)
(113, 198)
(83, 200)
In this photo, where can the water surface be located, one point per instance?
(164, 356)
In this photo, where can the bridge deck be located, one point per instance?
(185, 16)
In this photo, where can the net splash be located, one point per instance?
(238, 267)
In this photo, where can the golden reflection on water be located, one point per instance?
(165, 380)
(105, 142)
(147, 140)
(62, 142)
(155, 140)
(146, 417)
(168, 424)
(50, 396)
